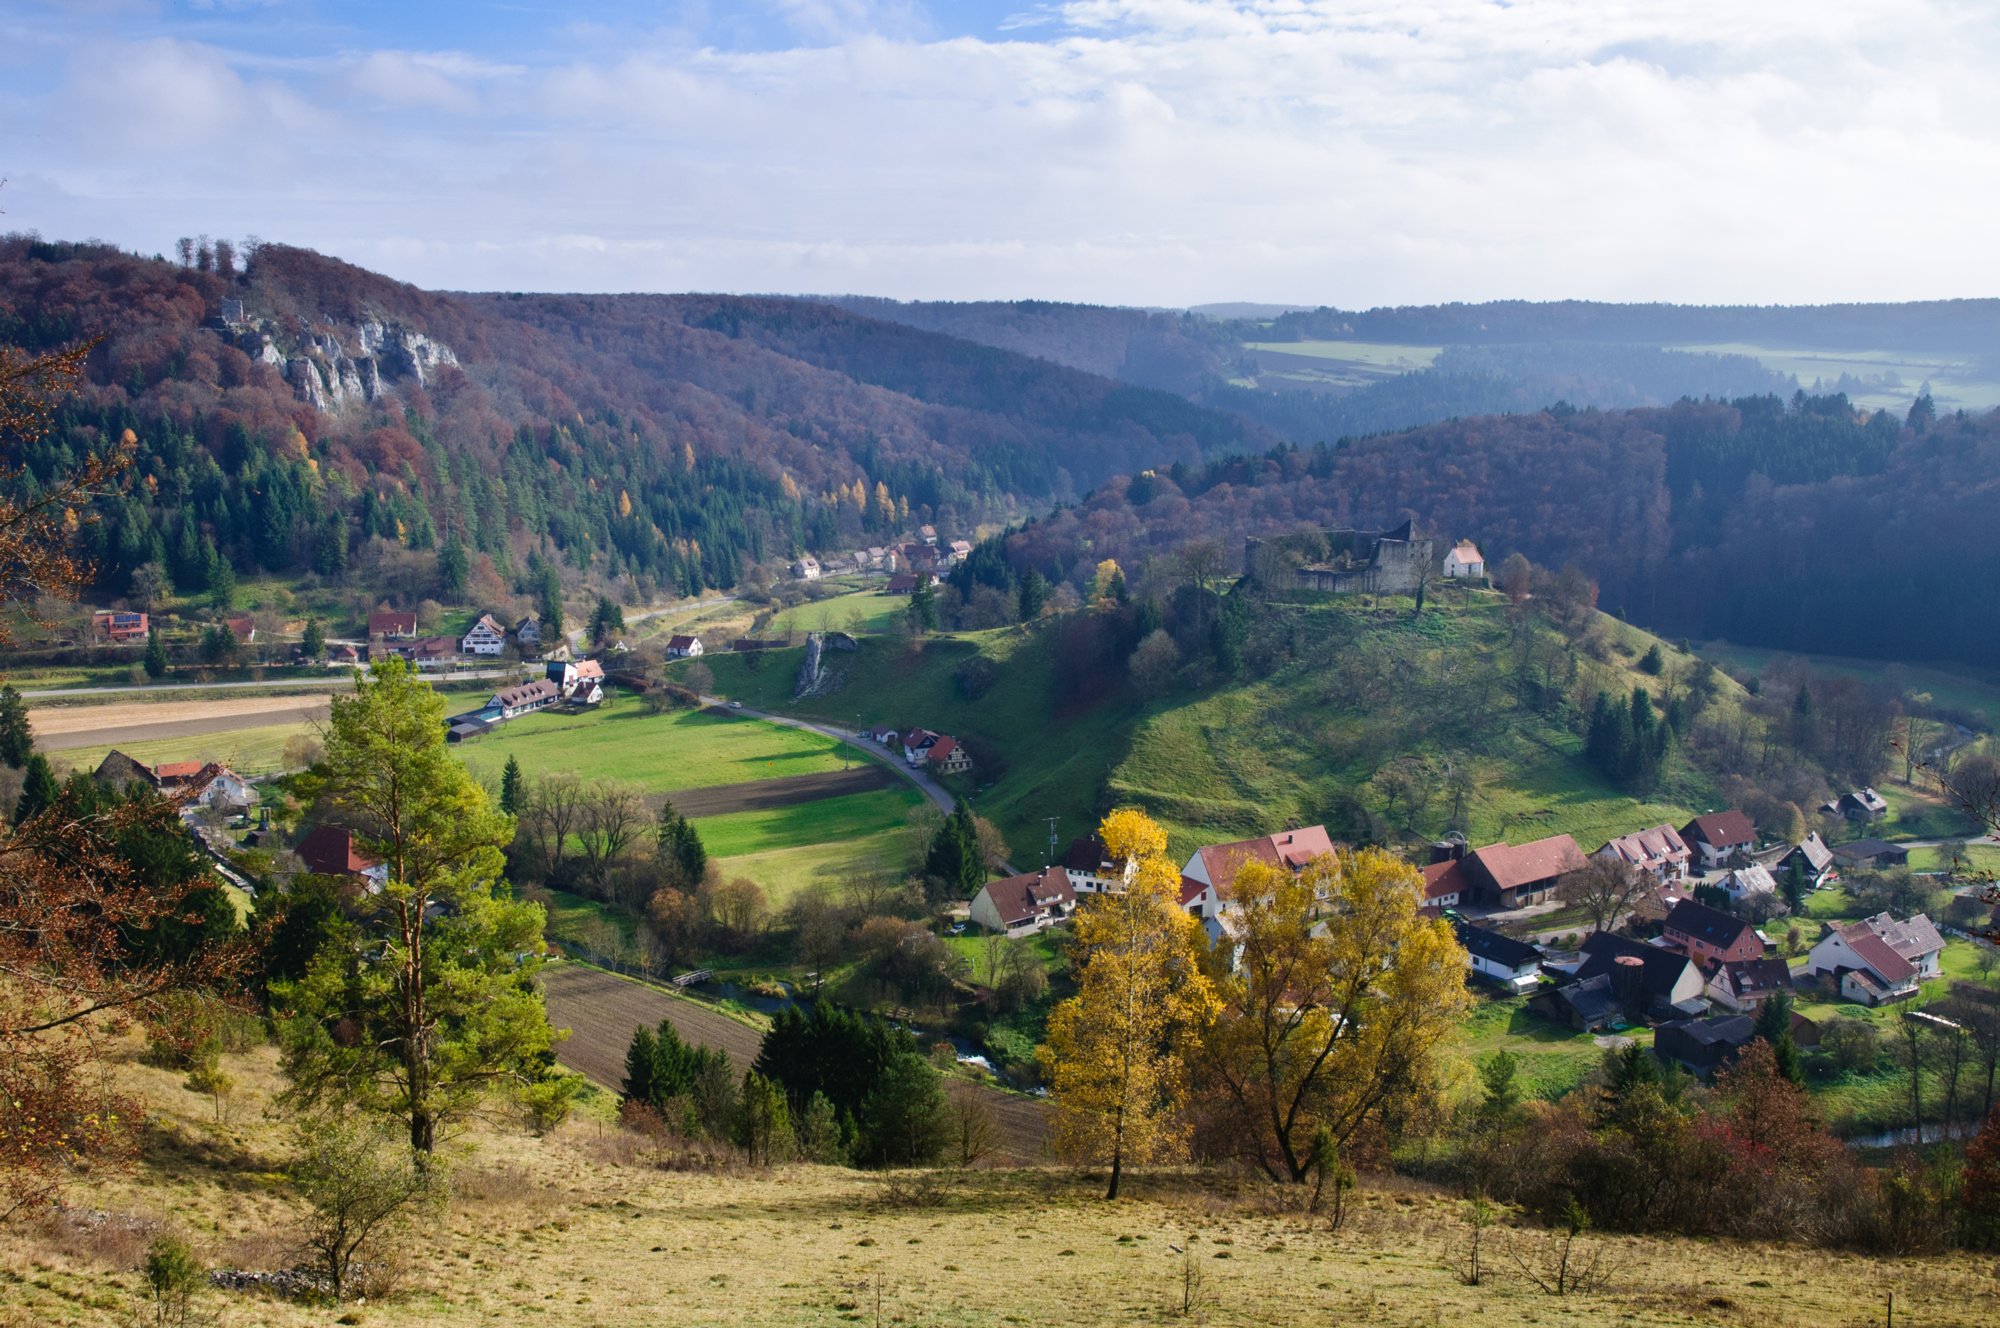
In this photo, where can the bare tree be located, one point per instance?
(609, 819)
(1603, 888)
(554, 814)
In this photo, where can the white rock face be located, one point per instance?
(328, 375)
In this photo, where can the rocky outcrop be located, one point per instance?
(329, 375)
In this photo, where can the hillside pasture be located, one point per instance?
(862, 613)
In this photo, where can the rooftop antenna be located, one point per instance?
(1052, 843)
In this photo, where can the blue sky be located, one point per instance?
(1354, 152)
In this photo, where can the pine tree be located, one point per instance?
(1794, 884)
(639, 1066)
(38, 791)
(156, 655)
(452, 569)
(314, 643)
(1032, 595)
(17, 735)
(221, 583)
(1774, 1025)
(952, 869)
(510, 787)
(605, 619)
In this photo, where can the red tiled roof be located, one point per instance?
(1661, 843)
(328, 850)
(176, 770)
(1190, 887)
(942, 748)
(1511, 866)
(1020, 899)
(1446, 878)
(1721, 829)
(589, 668)
(1288, 848)
(389, 622)
(1877, 953)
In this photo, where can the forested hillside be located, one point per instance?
(344, 425)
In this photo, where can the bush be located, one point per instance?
(173, 1275)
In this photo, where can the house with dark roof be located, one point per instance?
(509, 702)
(119, 771)
(1703, 1046)
(1659, 852)
(1860, 805)
(1744, 985)
(1871, 855)
(1585, 1005)
(1515, 966)
(1092, 870)
(1720, 836)
(1651, 980)
(1020, 905)
(1814, 859)
(1213, 868)
(1709, 936)
(1507, 875)
(684, 647)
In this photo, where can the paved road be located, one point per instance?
(331, 678)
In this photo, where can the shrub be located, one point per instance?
(173, 1275)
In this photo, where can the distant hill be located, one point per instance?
(302, 413)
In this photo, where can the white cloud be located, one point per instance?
(1142, 151)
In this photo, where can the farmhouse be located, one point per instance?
(1212, 870)
(1585, 1005)
(510, 702)
(1514, 965)
(1504, 875)
(485, 637)
(1871, 855)
(948, 756)
(905, 583)
(528, 633)
(1709, 936)
(958, 551)
(119, 627)
(392, 625)
(1659, 852)
(1019, 905)
(1661, 982)
(580, 682)
(1914, 942)
(1814, 859)
(1720, 836)
(1092, 870)
(241, 626)
(1743, 882)
(806, 568)
(684, 647)
(1464, 562)
(119, 771)
(428, 652)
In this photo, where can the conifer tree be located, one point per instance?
(17, 735)
(510, 787)
(314, 642)
(156, 655)
(38, 791)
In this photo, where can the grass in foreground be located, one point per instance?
(576, 1229)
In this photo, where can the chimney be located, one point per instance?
(1628, 974)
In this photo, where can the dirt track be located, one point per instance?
(759, 794)
(602, 1009)
(60, 727)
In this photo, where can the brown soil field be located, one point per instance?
(761, 794)
(602, 1009)
(60, 727)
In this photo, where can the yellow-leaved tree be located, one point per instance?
(1117, 1052)
(1334, 1016)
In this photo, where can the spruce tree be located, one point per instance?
(452, 569)
(314, 643)
(17, 735)
(639, 1066)
(510, 787)
(39, 791)
(156, 655)
(1774, 1025)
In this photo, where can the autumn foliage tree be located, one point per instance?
(1117, 1051)
(1338, 1008)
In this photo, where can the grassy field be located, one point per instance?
(1954, 383)
(1552, 1059)
(1339, 363)
(1235, 761)
(658, 753)
(578, 1228)
(856, 814)
(784, 872)
(1954, 688)
(863, 612)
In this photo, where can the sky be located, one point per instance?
(1148, 152)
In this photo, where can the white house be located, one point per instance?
(1019, 905)
(1744, 882)
(1879, 959)
(1515, 965)
(1720, 836)
(917, 744)
(684, 647)
(510, 702)
(1208, 875)
(580, 682)
(1659, 852)
(1465, 561)
(486, 637)
(1744, 984)
(1092, 870)
(1814, 859)
(806, 568)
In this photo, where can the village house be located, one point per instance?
(905, 583)
(1211, 871)
(947, 756)
(241, 626)
(1745, 984)
(1661, 984)
(511, 702)
(1710, 936)
(958, 552)
(1515, 966)
(1503, 875)
(1871, 855)
(1585, 1005)
(329, 850)
(1464, 562)
(1719, 837)
(1021, 905)
(485, 637)
(1092, 870)
(119, 771)
(1659, 852)
(392, 625)
(1879, 959)
(1703, 1046)
(429, 652)
(579, 681)
(528, 634)
(119, 627)
(1861, 805)
(1744, 882)
(684, 647)
(807, 568)
(1814, 859)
